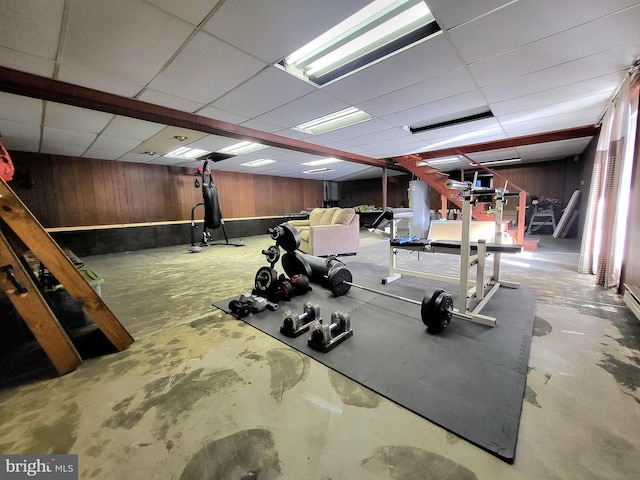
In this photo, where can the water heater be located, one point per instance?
(419, 202)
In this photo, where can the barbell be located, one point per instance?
(436, 310)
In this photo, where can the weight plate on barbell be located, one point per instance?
(437, 310)
(336, 279)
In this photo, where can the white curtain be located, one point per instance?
(608, 206)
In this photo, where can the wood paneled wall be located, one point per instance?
(70, 191)
(369, 191)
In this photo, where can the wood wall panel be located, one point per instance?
(70, 191)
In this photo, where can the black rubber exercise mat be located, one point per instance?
(470, 379)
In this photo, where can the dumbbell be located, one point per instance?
(324, 337)
(294, 325)
(436, 310)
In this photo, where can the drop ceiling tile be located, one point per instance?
(98, 81)
(431, 90)
(106, 142)
(523, 22)
(127, 127)
(222, 115)
(593, 66)
(270, 89)
(65, 150)
(61, 136)
(126, 39)
(262, 126)
(494, 155)
(22, 144)
(430, 58)
(31, 26)
(26, 63)
(75, 118)
(19, 130)
(556, 122)
(469, 137)
(200, 72)
(103, 154)
(309, 107)
(576, 96)
(395, 133)
(450, 13)
(435, 110)
(20, 109)
(170, 101)
(588, 39)
(193, 11)
(272, 30)
(133, 157)
(550, 115)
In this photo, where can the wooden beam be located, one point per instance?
(554, 136)
(27, 84)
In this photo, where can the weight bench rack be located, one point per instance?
(471, 254)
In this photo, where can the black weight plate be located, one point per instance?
(295, 264)
(265, 279)
(335, 281)
(436, 310)
(289, 238)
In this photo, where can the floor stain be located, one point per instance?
(531, 397)
(404, 462)
(181, 393)
(352, 393)
(626, 374)
(288, 368)
(57, 437)
(452, 439)
(541, 327)
(248, 454)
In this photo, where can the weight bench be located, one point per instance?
(472, 250)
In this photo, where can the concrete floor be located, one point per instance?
(201, 395)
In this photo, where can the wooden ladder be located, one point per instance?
(20, 232)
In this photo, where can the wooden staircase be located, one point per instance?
(436, 180)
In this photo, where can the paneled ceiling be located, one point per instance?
(538, 65)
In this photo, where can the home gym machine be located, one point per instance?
(212, 215)
(471, 254)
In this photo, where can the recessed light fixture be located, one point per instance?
(186, 152)
(381, 29)
(501, 162)
(333, 121)
(180, 138)
(150, 152)
(315, 171)
(322, 161)
(242, 147)
(258, 163)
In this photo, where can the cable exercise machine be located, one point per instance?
(212, 214)
(471, 253)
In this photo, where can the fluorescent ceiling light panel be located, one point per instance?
(242, 147)
(381, 29)
(322, 161)
(501, 162)
(186, 152)
(315, 171)
(258, 163)
(441, 161)
(343, 118)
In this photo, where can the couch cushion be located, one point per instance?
(343, 216)
(327, 217)
(316, 215)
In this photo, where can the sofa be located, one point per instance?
(329, 231)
